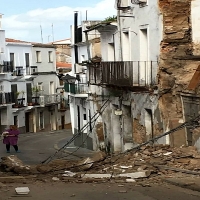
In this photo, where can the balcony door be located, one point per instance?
(27, 63)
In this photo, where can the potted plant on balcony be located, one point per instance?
(36, 91)
(17, 105)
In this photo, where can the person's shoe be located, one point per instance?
(7, 151)
(18, 151)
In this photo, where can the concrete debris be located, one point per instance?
(12, 163)
(22, 190)
(85, 164)
(55, 179)
(167, 154)
(69, 174)
(130, 180)
(135, 175)
(96, 176)
(126, 167)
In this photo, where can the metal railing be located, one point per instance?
(127, 73)
(5, 98)
(52, 98)
(31, 70)
(6, 67)
(79, 88)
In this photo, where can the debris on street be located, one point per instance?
(149, 161)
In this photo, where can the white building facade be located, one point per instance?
(30, 92)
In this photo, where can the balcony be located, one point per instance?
(131, 75)
(5, 98)
(31, 70)
(33, 101)
(78, 90)
(18, 71)
(64, 105)
(6, 67)
(50, 99)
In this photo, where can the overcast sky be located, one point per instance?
(22, 18)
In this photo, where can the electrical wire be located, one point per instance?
(191, 122)
(77, 134)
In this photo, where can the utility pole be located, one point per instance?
(41, 33)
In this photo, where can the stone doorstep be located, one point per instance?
(192, 184)
(12, 179)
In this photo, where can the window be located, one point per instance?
(12, 60)
(16, 120)
(51, 87)
(41, 120)
(38, 56)
(82, 58)
(126, 46)
(40, 86)
(27, 61)
(50, 53)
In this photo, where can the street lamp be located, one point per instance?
(69, 79)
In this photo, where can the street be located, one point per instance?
(85, 191)
(37, 147)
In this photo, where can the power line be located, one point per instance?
(193, 122)
(93, 119)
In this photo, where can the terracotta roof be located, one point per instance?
(16, 41)
(35, 44)
(63, 65)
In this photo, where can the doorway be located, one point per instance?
(63, 122)
(149, 124)
(27, 120)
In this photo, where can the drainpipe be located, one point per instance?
(76, 36)
(114, 46)
(120, 35)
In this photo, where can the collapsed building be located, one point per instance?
(144, 83)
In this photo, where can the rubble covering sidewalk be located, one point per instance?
(150, 161)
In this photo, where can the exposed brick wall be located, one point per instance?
(175, 72)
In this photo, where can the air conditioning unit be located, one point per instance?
(41, 101)
(1, 88)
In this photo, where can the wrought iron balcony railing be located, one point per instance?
(49, 99)
(124, 74)
(31, 70)
(5, 98)
(80, 88)
(6, 67)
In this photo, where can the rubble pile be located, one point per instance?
(148, 162)
(157, 160)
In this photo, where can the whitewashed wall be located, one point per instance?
(2, 46)
(44, 65)
(19, 50)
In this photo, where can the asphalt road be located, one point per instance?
(37, 147)
(110, 191)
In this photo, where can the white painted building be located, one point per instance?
(30, 92)
(130, 73)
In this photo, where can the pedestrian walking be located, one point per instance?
(10, 138)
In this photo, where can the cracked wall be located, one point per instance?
(176, 64)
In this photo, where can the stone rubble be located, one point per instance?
(148, 163)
